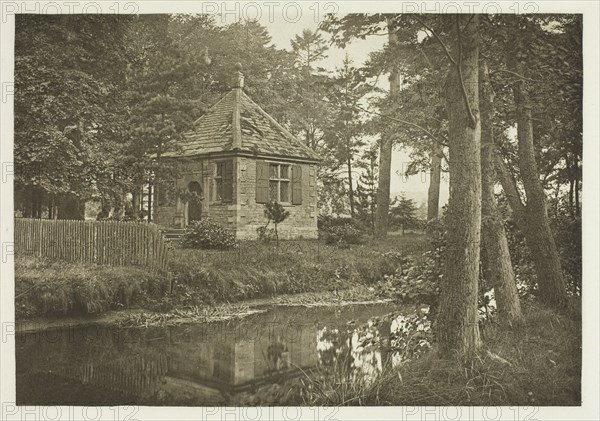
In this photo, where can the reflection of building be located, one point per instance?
(194, 367)
(208, 364)
(236, 364)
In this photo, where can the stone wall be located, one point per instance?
(302, 222)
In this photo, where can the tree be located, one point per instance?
(68, 112)
(402, 120)
(403, 212)
(161, 108)
(457, 325)
(493, 234)
(275, 212)
(310, 113)
(531, 216)
(457, 322)
(366, 187)
(343, 136)
(385, 151)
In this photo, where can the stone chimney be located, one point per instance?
(237, 84)
(237, 80)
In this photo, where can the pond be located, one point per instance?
(220, 363)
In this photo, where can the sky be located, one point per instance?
(283, 30)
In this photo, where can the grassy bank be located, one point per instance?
(197, 277)
(46, 287)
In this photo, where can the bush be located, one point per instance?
(343, 235)
(567, 234)
(418, 281)
(265, 235)
(206, 234)
(341, 231)
(415, 282)
(325, 223)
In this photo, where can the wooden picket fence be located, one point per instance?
(101, 242)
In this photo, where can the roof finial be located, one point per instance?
(237, 81)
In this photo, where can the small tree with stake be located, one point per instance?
(275, 212)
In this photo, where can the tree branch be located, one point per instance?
(425, 55)
(408, 123)
(439, 40)
(460, 76)
(468, 22)
(515, 74)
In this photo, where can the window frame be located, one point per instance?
(279, 179)
(215, 198)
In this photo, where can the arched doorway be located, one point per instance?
(194, 207)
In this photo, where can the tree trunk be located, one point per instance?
(158, 174)
(385, 154)
(135, 202)
(539, 237)
(350, 188)
(36, 202)
(150, 202)
(71, 207)
(433, 193)
(457, 327)
(577, 205)
(493, 235)
(571, 186)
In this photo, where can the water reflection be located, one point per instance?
(208, 364)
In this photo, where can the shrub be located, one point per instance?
(341, 231)
(567, 234)
(205, 234)
(416, 283)
(343, 235)
(418, 280)
(265, 234)
(325, 223)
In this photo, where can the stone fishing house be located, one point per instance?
(237, 158)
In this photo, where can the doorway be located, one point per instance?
(194, 206)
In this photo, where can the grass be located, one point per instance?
(48, 287)
(199, 277)
(537, 364)
(255, 270)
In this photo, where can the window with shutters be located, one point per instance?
(222, 182)
(279, 182)
(218, 182)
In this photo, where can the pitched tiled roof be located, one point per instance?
(237, 120)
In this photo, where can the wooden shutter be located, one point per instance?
(296, 185)
(262, 182)
(227, 181)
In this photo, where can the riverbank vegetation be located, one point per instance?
(210, 277)
(535, 365)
